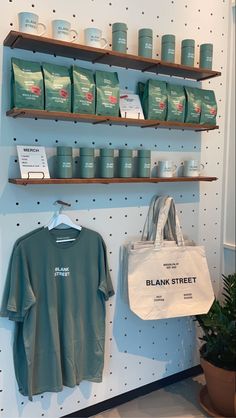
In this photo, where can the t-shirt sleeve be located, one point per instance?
(105, 283)
(18, 296)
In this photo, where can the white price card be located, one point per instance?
(130, 106)
(33, 162)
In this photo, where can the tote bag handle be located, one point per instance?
(168, 207)
(150, 226)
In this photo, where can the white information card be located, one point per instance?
(130, 106)
(33, 162)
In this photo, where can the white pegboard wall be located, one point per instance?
(137, 352)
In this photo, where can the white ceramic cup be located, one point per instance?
(166, 168)
(192, 168)
(61, 30)
(29, 23)
(93, 37)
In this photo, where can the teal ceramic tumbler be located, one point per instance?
(145, 43)
(87, 166)
(64, 162)
(168, 48)
(188, 52)
(144, 163)
(206, 53)
(106, 163)
(119, 37)
(125, 165)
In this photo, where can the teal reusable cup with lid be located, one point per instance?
(188, 52)
(144, 163)
(125, 163)
(168, 48)
(119, 37)
(206, 54)
(145, 42)
(87, 166)
(64, 162)
(106, 163)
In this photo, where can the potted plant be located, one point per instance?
(218, 352)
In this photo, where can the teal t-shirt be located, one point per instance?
(56, 293)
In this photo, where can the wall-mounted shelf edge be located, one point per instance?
(24, 182)
(50, 46)
(107, 120)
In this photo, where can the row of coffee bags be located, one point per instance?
(62, 89)
(171, 102)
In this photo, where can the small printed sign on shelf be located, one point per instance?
(130, 106)
(33, 162)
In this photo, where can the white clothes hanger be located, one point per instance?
(62, 219)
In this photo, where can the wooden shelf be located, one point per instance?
(103, 56)
(25, 182)
(107, 120)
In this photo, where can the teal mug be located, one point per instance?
(64, 162)
(145, 43)
(144, 163)
(125, 163)
(188, 52)
(206, 53)
(119, 37)
(168, 48)
(87, 165)
(106, 163)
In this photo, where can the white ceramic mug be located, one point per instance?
(29, 23)
(61, 30)
(166, 168)
(93, 37)
(192, 168)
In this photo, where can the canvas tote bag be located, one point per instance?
(167, 279)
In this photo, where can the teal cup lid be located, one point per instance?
(119, 26)
(206, 46)
(106, 152)
(188, 42)
(145, 32)
(144, 153)
(87, 151)
(125, 152)
(61, 150)
(168, 38)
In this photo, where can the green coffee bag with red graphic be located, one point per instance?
(193, 105)
(176, 103)
(154, 100)
(83, 91)
(107, 93)
(209, 107)
(27, 85)
(57, 84)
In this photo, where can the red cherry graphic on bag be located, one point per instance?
(179, 107)
(113, 99)
(36, 90)
(213, 111)
(197, 109)
(89, 97)
(162, 105)
(63, 93)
